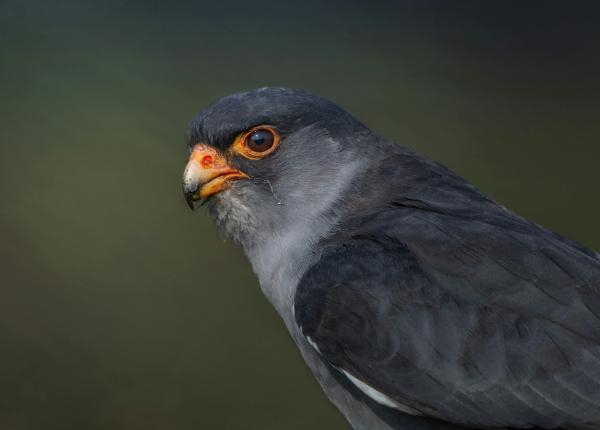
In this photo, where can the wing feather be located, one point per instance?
(490, 322)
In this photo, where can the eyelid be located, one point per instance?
(239, 144)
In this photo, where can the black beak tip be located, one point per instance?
(189, 197)
(190, 203)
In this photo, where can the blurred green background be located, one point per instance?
(120, 308)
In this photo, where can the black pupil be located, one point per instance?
(261, 140)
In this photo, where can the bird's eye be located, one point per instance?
(260, 140)
(257, 143)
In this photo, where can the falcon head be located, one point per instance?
(266, 159)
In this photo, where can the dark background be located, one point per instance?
(120, 308)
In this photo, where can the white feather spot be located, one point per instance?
(313, 344)
(378, 396)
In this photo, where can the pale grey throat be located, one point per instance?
(279, 235)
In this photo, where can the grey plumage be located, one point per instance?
(390, 270)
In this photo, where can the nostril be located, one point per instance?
(207, 161)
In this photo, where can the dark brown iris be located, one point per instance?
(260, 140)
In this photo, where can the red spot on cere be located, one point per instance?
(207, 161)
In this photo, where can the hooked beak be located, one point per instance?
(206, 173)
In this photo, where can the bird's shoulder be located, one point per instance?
(481, 253)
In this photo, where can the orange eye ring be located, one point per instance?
(257, 142)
